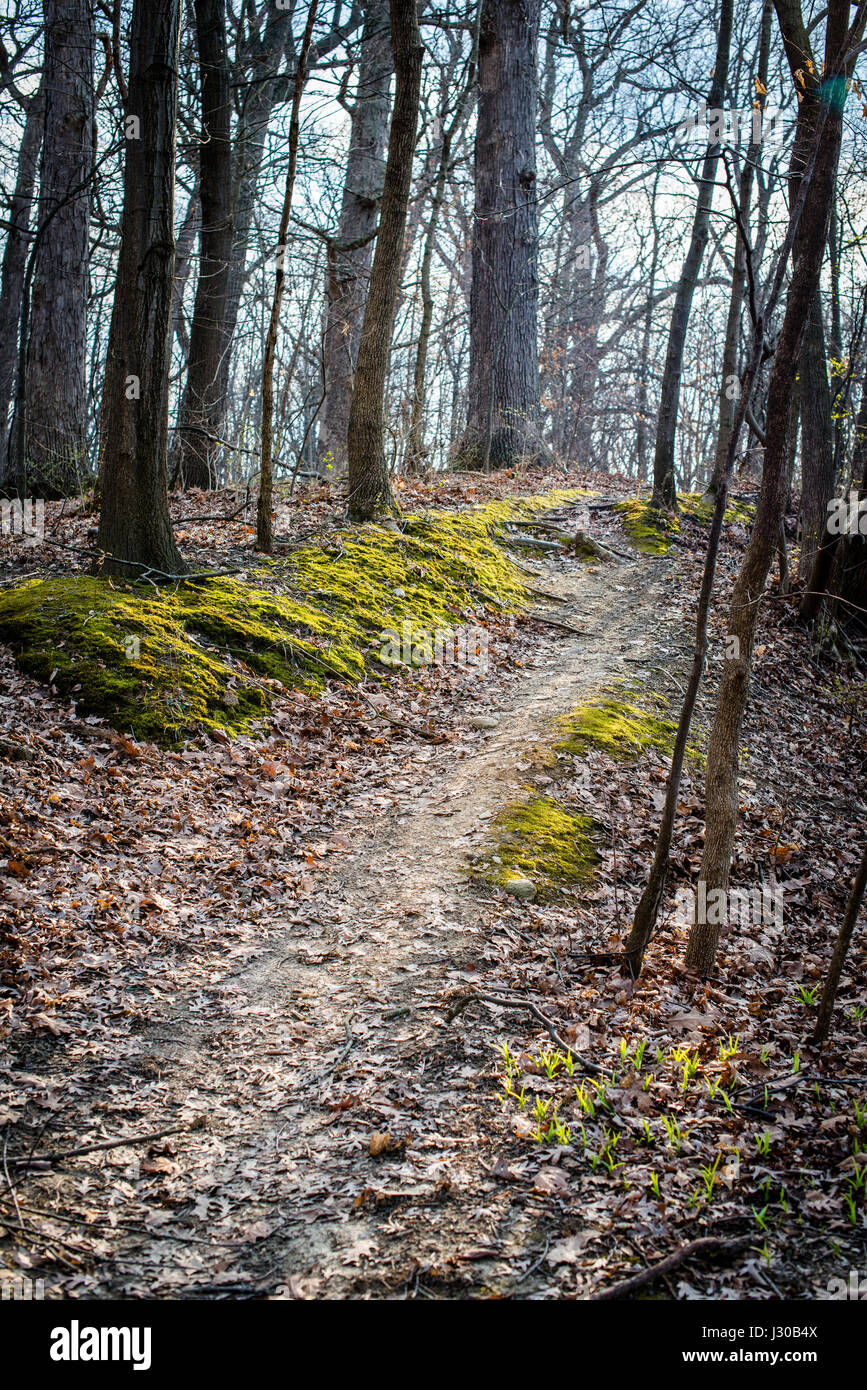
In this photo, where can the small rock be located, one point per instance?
(230, 699)
(522, 888)
(483, 721)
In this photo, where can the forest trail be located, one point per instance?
(277, 1078)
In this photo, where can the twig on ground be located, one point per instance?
(58, 1155)
(347, 1048)
(9, 1183)
(565, 627)
(706, 1245)
(462, 1001)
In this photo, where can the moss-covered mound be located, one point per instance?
(619, 728)
(652, 531)
(206, 654)
(648, 528)
(540, 840)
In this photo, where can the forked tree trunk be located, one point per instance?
(664, 487)
(647, 910)
(264, 535)
(204, 400)
(369, 487)
(135, 533)
(503, 423)
(51, 418)
(351, 256)
(721, 786)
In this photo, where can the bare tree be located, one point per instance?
(135, 534)
(203, 406)
(825, 88)
(664, 487)
(503, 424)
(264, 538)
(369, 486)
(15, 261)
(51, 415)
(350, 253)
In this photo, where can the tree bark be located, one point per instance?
(721, 787)
(15, 261)
(369, 487)
(204, 400)
(503, 424)
(52, 416)
(349, 269)
(817, 438)
(135, 533)
(841, 948)
(664, 486)
(264, 535)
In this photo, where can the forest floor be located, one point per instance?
(249, 1033)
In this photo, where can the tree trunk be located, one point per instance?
(204, 400)
(728, 392)
(135, 533)
(416, 455)
(52, 417)
(664, 487)
(15, 261)
(261, 93)
(369, 488)
(264, 536)
(503, 424)
(841, 948)
(721, 787)
(817, 438)
(641, 432)
(349, 269)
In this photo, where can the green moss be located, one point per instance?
(648, 528)
(206, 655)
(620, 729)
(651, 530)
(540, 840)
(695, 504)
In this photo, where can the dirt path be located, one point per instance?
(278, 1076)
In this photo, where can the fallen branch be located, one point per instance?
(535, 543)
(402, 723)
(58, 1155)
(602, 551)
(565, 627)
(462, 1001)
(706, 1245)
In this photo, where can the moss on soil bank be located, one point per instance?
(540, 840)
(651, 530)
(208, 655)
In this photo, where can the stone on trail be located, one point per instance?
(483, 721)
(522, 888)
